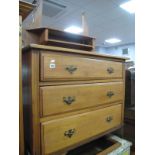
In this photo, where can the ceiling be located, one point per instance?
(105, 19)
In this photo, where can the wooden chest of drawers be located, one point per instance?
(70, 97)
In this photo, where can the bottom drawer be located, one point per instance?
(64, 132)
(101, 146)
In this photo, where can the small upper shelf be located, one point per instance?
(48, 36)
(25, 8)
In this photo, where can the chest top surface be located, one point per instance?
(72, 51)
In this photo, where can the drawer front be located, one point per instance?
(59, 99)
(61, 133)
(69, 67)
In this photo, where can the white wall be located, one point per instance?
(118, 51)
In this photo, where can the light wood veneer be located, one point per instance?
(65, 108)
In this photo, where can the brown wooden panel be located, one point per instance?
(60, 133)
(25, 8)
(60, 67)
(60, 38)
(73, 51)
(64, 98)
(21, 124)
(30, 71)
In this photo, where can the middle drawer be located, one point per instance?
(65, 98)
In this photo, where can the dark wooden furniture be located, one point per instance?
(128, 130)
(21, 128)
(24, 9)
(71, 97)
(129, 125)
(129, 115)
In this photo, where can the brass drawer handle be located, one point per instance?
(110, 94)
(69, 133)
(69, 100)
(71, 69)
(110, 70)
(109, 119)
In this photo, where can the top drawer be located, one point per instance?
(70, 67)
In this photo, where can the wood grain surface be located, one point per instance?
(60, 67)
(65, 98)
(85, 125)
